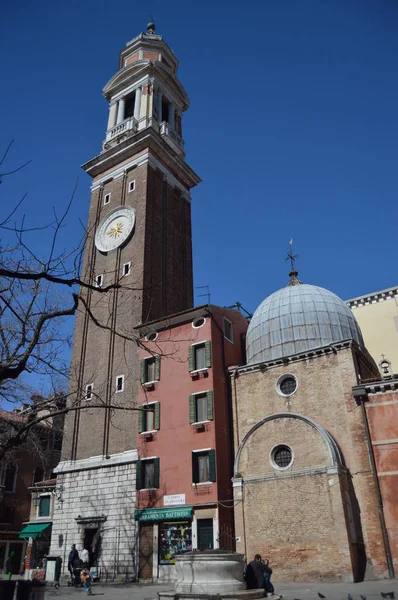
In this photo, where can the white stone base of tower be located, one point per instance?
(97, 494)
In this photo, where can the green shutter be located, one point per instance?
(156, 472)
(192, 409)
(212, 465)
(139, 475)
(141, 420)
(209, 405)
(191, 359)
(208, 354)
(157, 367)
(157, 416)
(142, 371)
(195, 468)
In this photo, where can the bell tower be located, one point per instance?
(138, 236)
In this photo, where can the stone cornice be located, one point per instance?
(148, 138)
(323, 351)
(377, 386)
(387, 294)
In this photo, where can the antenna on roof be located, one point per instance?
(207, 292)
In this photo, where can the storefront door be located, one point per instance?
(146, 551)
(205, 534)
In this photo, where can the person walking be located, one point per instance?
(10, 564)
(72, 559)
(86, 581)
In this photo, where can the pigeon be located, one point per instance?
(390, 595)
(321, 596)
(363, 597)
(350, 597)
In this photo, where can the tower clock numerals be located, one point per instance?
(115, 229)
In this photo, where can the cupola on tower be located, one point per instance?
(139, 236)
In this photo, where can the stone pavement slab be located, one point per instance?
(290, 591)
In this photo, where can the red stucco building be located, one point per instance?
(184, 441)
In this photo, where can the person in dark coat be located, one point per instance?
(255, 571)
(72, 559)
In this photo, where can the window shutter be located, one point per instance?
(208, 354)
(212, 465)
(195, 469)
(139, 475)
(142, 371)
(157, 416)
(191, 359)
(141, 420)
(157, 367)
(192, 409)
(209, 405)
(156, 472)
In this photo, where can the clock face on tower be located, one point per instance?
(115, 229)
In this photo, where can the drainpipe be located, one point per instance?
(386, 541)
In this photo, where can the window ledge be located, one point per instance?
(149, 385)
(148, 490)
(203, 483)
(150, 432)
(199, 425)
(199, 372)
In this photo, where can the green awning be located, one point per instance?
(34, 530)
(163, 514)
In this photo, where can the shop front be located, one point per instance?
(164, 533)
(11, 545)
(38, 537)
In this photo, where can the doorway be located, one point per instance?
(146, 552)
(205, 534)
(91, 543)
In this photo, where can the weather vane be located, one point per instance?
(290, 256)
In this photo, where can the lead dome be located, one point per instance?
(299, 318)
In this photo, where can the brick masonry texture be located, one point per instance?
(312, 525)
(160, 283)
(92, 493)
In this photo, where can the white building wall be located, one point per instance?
(95, 489)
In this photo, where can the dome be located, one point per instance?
(299, 318)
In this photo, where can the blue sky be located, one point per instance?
(292, 127)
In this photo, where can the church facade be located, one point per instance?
(306, 492)
(139, 243)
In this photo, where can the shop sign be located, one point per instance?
(174, 499)
(153, 514)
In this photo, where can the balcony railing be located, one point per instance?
(129, 124)
(169, 134)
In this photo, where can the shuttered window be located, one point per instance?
(203, 466)
(201, 407)
(150, 369)
(149, 417)
(148, 474)
(199, 356)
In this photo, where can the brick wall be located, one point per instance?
(324, 395)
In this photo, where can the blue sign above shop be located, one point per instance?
(163, 514)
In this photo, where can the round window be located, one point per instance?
(286, 385)
(199, 322)
(282, 456)
(151, 337)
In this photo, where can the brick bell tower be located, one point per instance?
(139, 235)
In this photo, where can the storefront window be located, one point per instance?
(175, 537)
